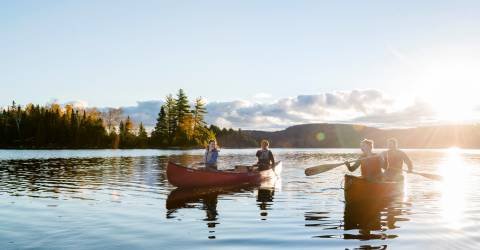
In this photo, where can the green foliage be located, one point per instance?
(160, 133)
(142, 137)
(66, 127)
(50, 127)
(230, 138)
(178, 126)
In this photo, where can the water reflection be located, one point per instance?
(372, 220)
(83, 179)
(265, 201)
(206, 200)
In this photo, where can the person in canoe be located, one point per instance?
(211, 155)
(394, 159)
(265, 156)
(371, 167)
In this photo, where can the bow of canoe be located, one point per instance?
(358, 189)
(185, 177)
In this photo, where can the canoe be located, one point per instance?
(358, 189)
(185, 177)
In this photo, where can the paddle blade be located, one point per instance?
(321, 168)
(429, 176)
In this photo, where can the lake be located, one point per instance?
(121, 199)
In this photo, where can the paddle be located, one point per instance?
(427, 175)
(327, 167)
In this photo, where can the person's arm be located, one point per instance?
(353, 167)
(407, 161)
(257, 155)
(272, 160)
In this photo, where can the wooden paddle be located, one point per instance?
(327, 167)
(434, 177)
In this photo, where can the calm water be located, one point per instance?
(120, 199)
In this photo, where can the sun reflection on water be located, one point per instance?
(453, 187)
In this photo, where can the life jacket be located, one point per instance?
(371, 168)
(264, 157)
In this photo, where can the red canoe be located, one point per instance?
(184, 177)
(358, 189)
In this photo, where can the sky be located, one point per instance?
(258, 64)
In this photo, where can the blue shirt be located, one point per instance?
(212, 160)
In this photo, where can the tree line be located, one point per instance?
(34, 126)
(179, 124)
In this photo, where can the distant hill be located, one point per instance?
(326, 135)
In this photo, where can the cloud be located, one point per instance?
(369, 107)
(144, 111)
(326, 107)
(416, 114)
(78, 104)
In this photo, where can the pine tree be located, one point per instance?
(183, 107)
(171, 117)
(121, 135)
(127, 138)
(160, 132)
(142, 136)
(199, 112)
(183, 119)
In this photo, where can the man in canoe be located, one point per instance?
(211, 155)
(394, 159)
(371, 164)
(265, 156)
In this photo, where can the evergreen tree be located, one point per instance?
(184, 119)
(200, 132)
(142, 136)
(171, 117)
(127, 138)
(160, 132)
(183, 107)
(199, 112)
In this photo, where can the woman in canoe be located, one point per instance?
(265, 156)
(394, 159)
(211, 155)
(371, 165)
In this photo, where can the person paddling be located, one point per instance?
(211, 155)
(265, 156)
(395, 158)
(371, 167)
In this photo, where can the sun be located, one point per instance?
(458, 111)
(452, 103)
(447, 78)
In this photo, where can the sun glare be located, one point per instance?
(446, 78)
(453, 188)
(451, 110)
